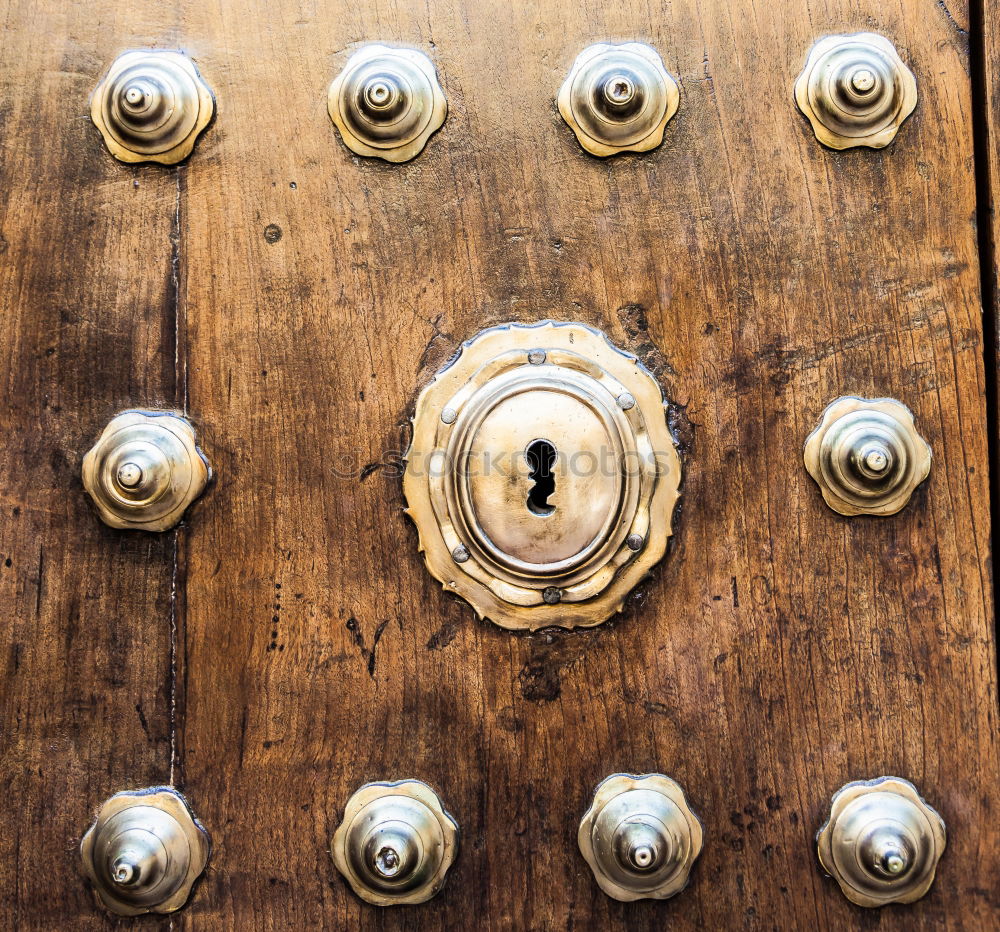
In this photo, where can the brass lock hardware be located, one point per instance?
(395, 843)
(856, 91)
(640, 837)
(151, 106)
(866, 456)
(144, 470)
(618, 98)
(542, 476)
(882, 842)
(144, 851)
(387, 102)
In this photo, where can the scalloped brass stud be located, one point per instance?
(395, 843)
(882, 842)
(151, 106)
(387, 102)
(144, 852)
(866, 456)
(542, 476)
(144, 470)
(855, 90)
(618, 98)
(640, 837)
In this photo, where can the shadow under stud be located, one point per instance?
(856, 91)
(640, 837)
(618, 98)
(387, 102)
(882, 842)
(395, 843)
(144, 852)
(866, 456)
(151, 106)
(144, 470)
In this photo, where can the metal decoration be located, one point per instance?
(151, 106)
(866, 456)
(144, 470)
(856, 91)
(144, 852)
(395, 843)
(387, 102)
(882, 842)
(640, 837)
(618, 98)
(542, 476)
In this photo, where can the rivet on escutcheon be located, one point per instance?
(151, 106)
(144, 470)
(640, 837)
(882, 842)
(618, 98)
(395, 843)
(387, 102)
(855, 90)
(866, 456)
(144, 852)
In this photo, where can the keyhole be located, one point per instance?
(541, 457)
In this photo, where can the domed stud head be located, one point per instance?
(618, 98)
(144, 852)
(144, 470)
(856, 91)
(387, 102)
(866, 456)
(882, 842)
(151, 107)
(640, 837)
(395, 843)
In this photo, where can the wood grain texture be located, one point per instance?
(86, 299)
(779, 652)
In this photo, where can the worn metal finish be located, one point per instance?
(538, 495)
(867, 456)
(618, 98)
(387, 102)
(640, 837)
(855, 90)
(882, 842)
(144, 470)
(395, 843)
(151, 106)
(144, 851)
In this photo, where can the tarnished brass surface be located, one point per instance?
(618, 98)
(855, 90)
(144, 470)
(144, 852)
(882, 842)
(866, 456)
(542, 476)
(640, 837)
(387, 102)
(395, 843)
(151, 106)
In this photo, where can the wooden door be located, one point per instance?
(286, 644)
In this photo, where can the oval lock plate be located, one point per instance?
(542, 476)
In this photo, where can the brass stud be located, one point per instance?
(618, 98)
(151, 106)
(144, 852)
(395, 843)
(640, 837)
(855, 90)
(144, 470)
(866, 456)
(882, 842)
(387, 102)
